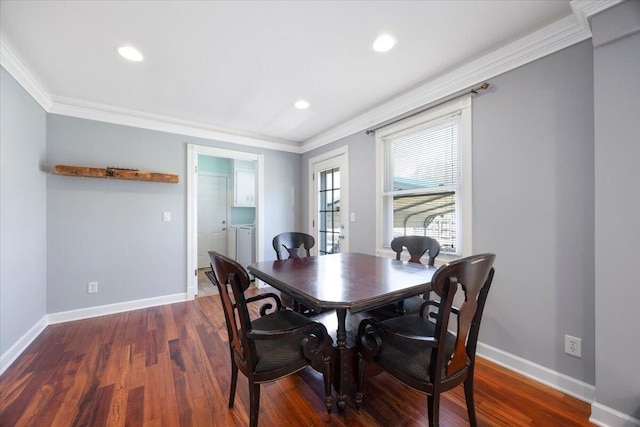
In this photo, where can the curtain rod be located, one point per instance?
(483, 86)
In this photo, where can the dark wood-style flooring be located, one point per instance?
(169, 366)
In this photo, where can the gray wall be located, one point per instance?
(532, 206)
(111, 231)
(23, 260)
(617, 206)
(282, 193)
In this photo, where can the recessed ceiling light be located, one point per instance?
(302, 104)
(130, 53)
(384, 43)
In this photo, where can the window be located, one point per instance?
(424, 175)
(329, 227)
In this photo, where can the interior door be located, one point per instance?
(212, 216)
(331, 211)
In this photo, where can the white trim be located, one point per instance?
(10, 356)
(140, 119)
(192, 221)
(585, 9)
(119, 307)
(329, 154)
(564, 383)
(552, 38)
(122, 116)
(343, 152)
(260, 224)
(608, 417)
(466, 180)
(19, 72)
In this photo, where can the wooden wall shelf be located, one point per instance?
(115, 173)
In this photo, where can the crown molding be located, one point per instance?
(14, 67)
(105, 113)
(552, 38)
(139, 119)
(585, 9)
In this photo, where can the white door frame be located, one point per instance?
(341, 156)
(193, 151)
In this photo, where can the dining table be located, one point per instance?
(347, 283)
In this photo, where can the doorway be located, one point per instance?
(207, 224)
(329, 204)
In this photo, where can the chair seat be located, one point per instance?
(410, 305)
(412, 360)
(274, 354)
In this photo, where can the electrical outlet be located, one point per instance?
(92, 287)
(573, 346)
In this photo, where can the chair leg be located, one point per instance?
(254, 404)
(234, 381)
(326, 374)
(468, 395)
(360, 381)
(433, 408)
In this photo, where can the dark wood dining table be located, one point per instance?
(346, 282)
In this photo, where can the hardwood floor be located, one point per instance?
(169, 366)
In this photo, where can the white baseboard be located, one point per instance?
(564, 383)
(600, 415)
(21, 345)
(84, 313)
(102, 310)
(607, 417)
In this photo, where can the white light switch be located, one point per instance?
(353, 217)
(166, 216)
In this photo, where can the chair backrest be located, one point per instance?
(474, 274)
(417, 246)
(229, 273)
(290, 243)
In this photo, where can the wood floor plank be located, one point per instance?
(170, 366)
(118, 408)
(135, 407)
(11, 390)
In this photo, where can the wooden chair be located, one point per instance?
(287, 245)
(417, 246)
(418, 349)
(275, 345)
(290, 243)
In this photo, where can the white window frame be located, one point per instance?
(465, 212)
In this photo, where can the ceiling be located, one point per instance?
(237, 67)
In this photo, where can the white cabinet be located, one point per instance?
(244, 188)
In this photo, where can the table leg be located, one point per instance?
(343, 360)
